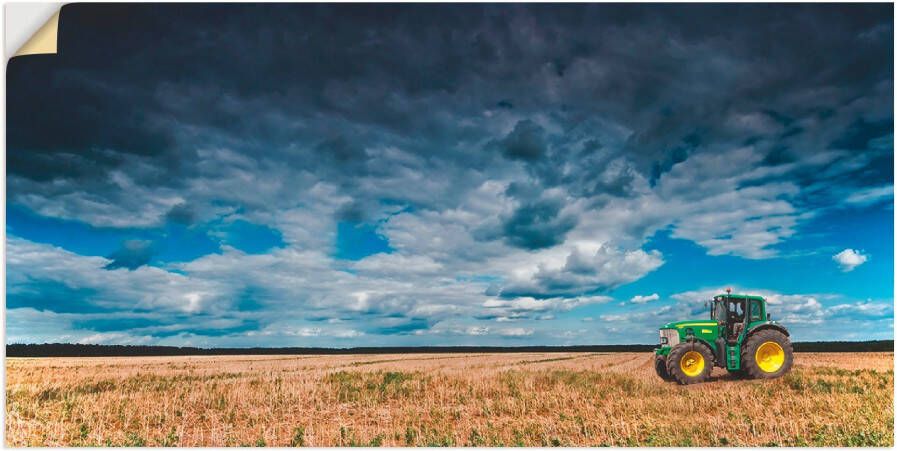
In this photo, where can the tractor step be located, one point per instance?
(732, 360)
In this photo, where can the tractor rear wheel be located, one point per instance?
(690, 363)
(767, 354)
(660, 366)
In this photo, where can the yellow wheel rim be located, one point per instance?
(692, 363)
(770, 357)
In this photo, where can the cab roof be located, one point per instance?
(739, 296)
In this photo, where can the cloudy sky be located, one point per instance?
(359, 175)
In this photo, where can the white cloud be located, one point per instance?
(205, 295)
(580, 271)
(477, 330)
(703, 206)
(124, 203)
(638, 299)
(398, 265)
(638, 316)
(306, 298)
(849, 259)
(515, 332)
(871, 195)
(146, 287)
(524, 307)
(309, 332)
(115, 338)
(863, 309)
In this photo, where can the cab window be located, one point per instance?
(719, 311)
(736, 309)
(756, 314)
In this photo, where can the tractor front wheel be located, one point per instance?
(660, 366)
(690, 363)
(767, 354)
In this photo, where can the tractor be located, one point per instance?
(740, 336)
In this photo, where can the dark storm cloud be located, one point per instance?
(538, 224)
(860, 132)
(75, 126)
(181, 214)
(231, 77)
(403, 327)
(132, 255)
(525, 142)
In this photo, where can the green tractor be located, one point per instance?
(739, 336)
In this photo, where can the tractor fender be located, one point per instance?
(710, 346)
(766, 326)
(690, 337)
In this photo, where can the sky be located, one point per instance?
(413, 175)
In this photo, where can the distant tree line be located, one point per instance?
(92, 350)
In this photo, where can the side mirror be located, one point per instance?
(768, 317)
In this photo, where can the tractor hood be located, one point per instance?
(689, 323)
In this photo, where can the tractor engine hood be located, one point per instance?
(690, 323)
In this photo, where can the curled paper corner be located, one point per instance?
(43, 41)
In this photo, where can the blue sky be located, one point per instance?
(363, 175)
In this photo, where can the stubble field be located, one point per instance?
(526, 399)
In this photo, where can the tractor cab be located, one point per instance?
(737, 313)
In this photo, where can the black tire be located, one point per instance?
(681, 352)
(764, 365)
(660, 366)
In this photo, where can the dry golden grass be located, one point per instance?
(441, 399)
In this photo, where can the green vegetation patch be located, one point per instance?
(352, 386)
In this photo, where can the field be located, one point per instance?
(440, 400)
